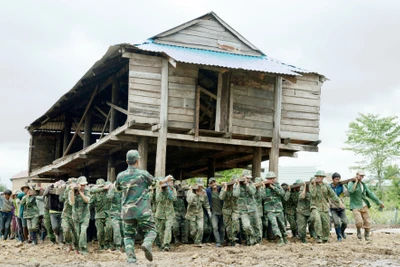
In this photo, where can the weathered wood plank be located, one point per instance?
(146, 82)
(299, 136)
(251, 131)
(147, 63)
(188, 94)
(144, 106)
(145, 69)
(261, 93)
(252, 101)
(251, 116)
(181, 102)
(299, 122)
(302, 85)
(299, 129)
(242, 108)
(183, 118)
(301, 94)
(291, 107)
(309, 77)
(208, 33)
(145, 100)
(180, 86)
(145, 75)
(146, 120)
(180, 125)
(134, 93)
(144, 113)
(184, 70)
(252, 124)
(182, 80)
(180, 111)
(144, 87)
(300, 115)
(301, 101)
(135, 56)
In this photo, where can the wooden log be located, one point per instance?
(105, 123)
(256, 166)
(81, 121)
(87, 130)
(143, 151)
(308, 182)
(276, 139)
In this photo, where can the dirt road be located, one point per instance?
(383, 250)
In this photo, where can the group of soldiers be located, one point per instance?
(165, 211)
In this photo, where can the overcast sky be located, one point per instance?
(46, 46)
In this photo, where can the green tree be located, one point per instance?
(377, 140)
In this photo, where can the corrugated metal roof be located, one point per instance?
(219, 59)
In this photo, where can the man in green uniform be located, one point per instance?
(136, 208)
(197, 200)
(230, 211)
(115, 215)
(303, 213)
(31, 213)
(79, 199)
(180, 226)
(292, 198)
(165, 214)
(46, 215)
(359, 204)
(67, 223)
(273, 208)
(320, 194)
(259, 202)
(101, 204)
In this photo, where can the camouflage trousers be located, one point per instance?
(207, 228)
(260, 228)
(69, 231)
(101, 230)
(47, 225)
(322, 223)
(232, 226)
(164, 231)
(108, 237)
(118, 232)
(33, 224)
(81, 232)
(248, 221)
(292, 219)
(277, 221)
(180, 229)
(196, 229)
(302, 221)
(146, 225)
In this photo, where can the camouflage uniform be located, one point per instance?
(180, 226)
(31, 215)
(115, 215)
(80, 215)
(273, 210)
(291, 199)
(259, 203)
(101, 204)
(136, 206)
(247, 210)
(319, 205)
(230, 213)
(303, 215)
(66, 220)
(165, 214)
(195, 215)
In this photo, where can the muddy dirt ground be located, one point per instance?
(383, 250)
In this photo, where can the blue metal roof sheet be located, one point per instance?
(220, 59)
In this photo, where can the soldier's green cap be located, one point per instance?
(82, 180)
(212, 179)
(100, 182)
(258, 179)
(270, 175)
(234, 177)
(199, 182)
(298, 182)
(246, 173)
(72, 180)
(132, 156)
(320, 173)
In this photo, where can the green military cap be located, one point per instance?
(72, 180)
(270, 175)
(100, 182)
(82, 180)
(132, 156)
(212, 179)
(360, 172)
(258, 179)
(246, 173)
(199, 182)
(298, 181)
(320, 173)
(234, 177)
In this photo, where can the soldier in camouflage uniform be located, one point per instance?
(259, 203)
(180, 226)
(31, 213)
(136, 208)
(46, 216)
(79, 199)
(115, 215)
(66, 219)
(165, 214)
(101, 204)
(230, 212)
(244, 190)
(291, 199)
(273, 208)
(196, 202)
(303, 213)
(320, 194)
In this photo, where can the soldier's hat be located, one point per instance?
(82, 180)
(100, 182)
(178, 183)
(26, 185)
(199, 182)
(298, 181)
(320, 173)
(195, 187)
(132, 156)
(270, 175)
(242, 179)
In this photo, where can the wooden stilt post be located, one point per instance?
(162, 137)
(211, 168)
(87, 130)
(66, 131)
(256, 166)
(114, 100)
(276, 139)
(111, 168)
(143, 150)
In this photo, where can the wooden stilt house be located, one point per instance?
(193, 100)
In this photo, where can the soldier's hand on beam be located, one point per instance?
(382, 205)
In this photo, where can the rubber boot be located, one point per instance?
(359, 233)
(34, 237)
(343, 228)
(366, 235)
(319, 240)
(147, 251)
(338, 234)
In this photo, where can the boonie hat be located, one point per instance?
(132, 156)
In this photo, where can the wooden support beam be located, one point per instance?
(124, 111)
(205, 91)
(218, 108)
(100, 111)
(114, 101)
(105, 123)
(87, 130)
(256, 166)
(197, 113)
(111, 168)
(276, 139)
(162, 137)
(66, 131)
(230, 109)
(81, 121)
(143, 149)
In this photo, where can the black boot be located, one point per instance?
(342, 229)
(338, 234)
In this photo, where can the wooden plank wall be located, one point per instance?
(301, 108)
(182, 82)
(144, 89)
(42, 150)
(253, 105)
(206, 34)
